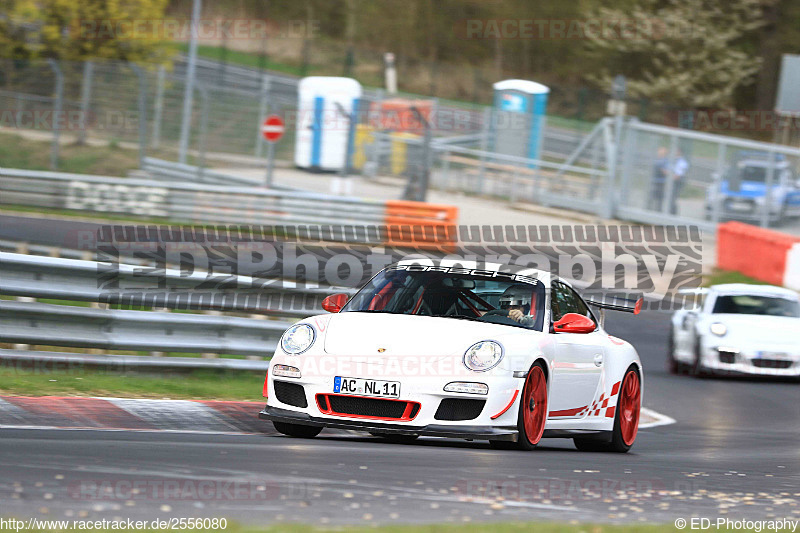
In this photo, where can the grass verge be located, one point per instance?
(719, 277)
(18, 152)
(18, 379)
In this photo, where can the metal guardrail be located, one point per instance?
(48, 324)
(172, 171)
(70, 361)
(110, 329)
(40, 249)
(186, 202)
(90, 281)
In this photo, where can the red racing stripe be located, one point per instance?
(507, 407)
(567, 412)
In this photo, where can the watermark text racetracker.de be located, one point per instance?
(731, 524)
(104, 524)
(289, 267)
(176, 490)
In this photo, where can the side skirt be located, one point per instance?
(572, 433)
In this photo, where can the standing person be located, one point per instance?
(660, 174)
(679, 170)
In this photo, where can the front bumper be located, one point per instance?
(426, 391)
(433, 430)
(754, 211)
(721, 360)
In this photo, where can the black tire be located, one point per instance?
(617, 443)
(673, 365)
(395, 438)
(297, 430)
(697, 368)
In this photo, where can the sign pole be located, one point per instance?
(272, 130)
(270, 163)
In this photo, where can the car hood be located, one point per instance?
(765, 330)
(363, 334)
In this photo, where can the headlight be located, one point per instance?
(483, 356)
(719, 329)
(297, 339)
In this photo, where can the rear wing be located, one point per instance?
(617, 303)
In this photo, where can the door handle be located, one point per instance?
(598, 360)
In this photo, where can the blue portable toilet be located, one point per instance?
(519, 114)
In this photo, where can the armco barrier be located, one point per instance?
(46, 324)
(763, 254)
(217, 204)
(111, 329)
(90, 281)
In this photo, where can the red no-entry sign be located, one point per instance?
(273, 128)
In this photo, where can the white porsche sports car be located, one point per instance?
(738, 328)
(506, 355)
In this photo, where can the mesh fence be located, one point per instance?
(708, 177)
(661, 171)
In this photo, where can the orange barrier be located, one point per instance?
(421, 225)
(395, 114)
(756, 252)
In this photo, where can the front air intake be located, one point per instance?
(459, 409)
(290, 394)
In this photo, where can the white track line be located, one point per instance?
(659, 419)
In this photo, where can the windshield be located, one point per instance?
(758, 174)
(756, 305)
(456, 293)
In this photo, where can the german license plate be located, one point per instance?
(740, 206)
(772, 355)
(366, 387)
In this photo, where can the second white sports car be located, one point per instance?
(740, 329)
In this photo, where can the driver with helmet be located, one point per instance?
(515, 303)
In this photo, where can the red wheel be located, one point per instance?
(630, 404)
(532, 415)
(533, 406)
(626, 419)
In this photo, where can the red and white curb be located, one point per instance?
(181, 416)
(131, 414)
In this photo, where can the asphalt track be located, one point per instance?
(732, 453)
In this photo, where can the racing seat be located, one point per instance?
(438, 301)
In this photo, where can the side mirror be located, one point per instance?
(574, 323)
(334, 303)
(688, 320)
